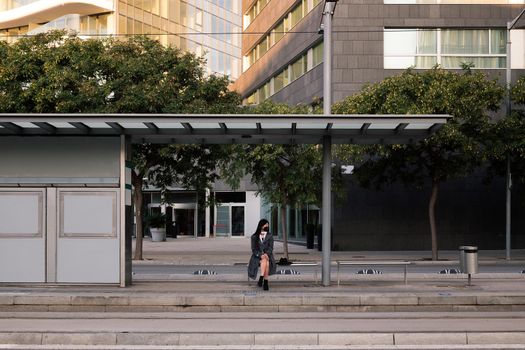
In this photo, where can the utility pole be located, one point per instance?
(508, 183)
(328, 13)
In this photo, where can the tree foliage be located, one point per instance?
(287, 175)
(453, 151)
(59, 73)
(505, 139)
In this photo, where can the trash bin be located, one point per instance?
(468, 260)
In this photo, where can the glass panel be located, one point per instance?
(464, 41)
(278, 32)
(222, 223)
(427, 42)
(296, 15)
(498, 38)
(425, 61)
(263, 46)
(399, 42)
(237, 221)
(479, 62)
(318, 54)
(298, 68)
(281, 80)
(184, 222)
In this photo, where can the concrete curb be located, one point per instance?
(265, 339)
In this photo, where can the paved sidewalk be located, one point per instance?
(229, 251)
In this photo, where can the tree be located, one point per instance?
(60, 73)
(505, 139)
(288, 175)
(452, 152)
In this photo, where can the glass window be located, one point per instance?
(263, 46)
(426, 41)
(464, 41)
(278, 32)
(298, 68)
(296, 15)
(318, 54)
(281, 80)
(400, 42)
(498, 41)
(422, 48)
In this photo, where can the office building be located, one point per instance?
(207, 27)
(373, 39)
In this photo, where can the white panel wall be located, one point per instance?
(252, 212)
(88, 243)
(38, 159)
(22, 235)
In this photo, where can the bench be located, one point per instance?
(304, 263)
(307, 263)
(371, 263)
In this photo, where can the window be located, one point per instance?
(298, 68)
(292, 72)
(424, 48)
(317, 54)
(281, 80)
(284, 25)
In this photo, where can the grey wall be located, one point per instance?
(468, 212)
(59, 159)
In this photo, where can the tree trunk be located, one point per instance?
(285, 234)
(138, 200)
(432, 219)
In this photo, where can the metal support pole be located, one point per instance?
(326, 217)
(508, 188)
(508, 71)
(508, 68)
(327, 57)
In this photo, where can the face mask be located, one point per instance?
(264, 229)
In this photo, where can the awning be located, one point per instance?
(229, 129)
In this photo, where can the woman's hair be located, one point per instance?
(260, 225)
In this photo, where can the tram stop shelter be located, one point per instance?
(65, 180)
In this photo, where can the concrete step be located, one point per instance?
(264, 329)
(249, 301)
(262, 347)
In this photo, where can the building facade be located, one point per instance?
(207, 27)
(373, 39)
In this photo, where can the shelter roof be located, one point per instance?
(227, 129)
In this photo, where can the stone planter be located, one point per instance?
(158, 234)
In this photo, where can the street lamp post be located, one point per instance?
(508, 185)
(326, 218)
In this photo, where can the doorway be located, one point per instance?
(230, 220)
(184, 219)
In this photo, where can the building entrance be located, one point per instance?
(229, 220)
(184, 219)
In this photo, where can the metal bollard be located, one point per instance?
(468, 260)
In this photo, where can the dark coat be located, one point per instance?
(258, 249)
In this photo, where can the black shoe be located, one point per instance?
(260, 283)
(265, 286)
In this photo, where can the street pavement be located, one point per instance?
(167, 307)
